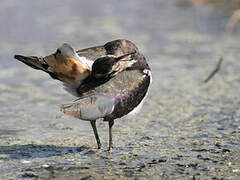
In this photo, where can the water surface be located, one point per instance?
(185, 130)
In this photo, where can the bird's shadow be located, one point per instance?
(30, 151)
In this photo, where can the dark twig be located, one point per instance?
(215, 70)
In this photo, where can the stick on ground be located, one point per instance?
(217, 69)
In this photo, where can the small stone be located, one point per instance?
(71, 159)
(87, 178)
(146, 138)
(225, 150)
(26, 162)
(202, 158)
(29, 175)
(235, 170)
(142, 165)
(80, 149)
(181, 165)
(162, 160)
(28, 169)
(218, 136)
(200, 150)
(218, 145)
(45, 165)
(122, 163)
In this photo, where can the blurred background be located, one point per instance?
(182, 41)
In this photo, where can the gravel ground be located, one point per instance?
(186, 129)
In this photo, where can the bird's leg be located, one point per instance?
(93, 123)
(110, 123)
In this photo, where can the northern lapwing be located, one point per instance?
(110, 81)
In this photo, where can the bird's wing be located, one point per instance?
(102, 100)
(119, 47)
(90, 108)
(92, 53)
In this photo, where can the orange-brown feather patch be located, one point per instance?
(68, 69)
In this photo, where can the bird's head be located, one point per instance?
(64, 64)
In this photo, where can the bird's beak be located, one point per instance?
(32, 61)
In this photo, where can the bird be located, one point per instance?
(109, 81)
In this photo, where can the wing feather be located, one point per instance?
(102, 100)
(90, 108)
(92, 53)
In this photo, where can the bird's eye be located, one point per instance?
(58, 51)
(55, 54)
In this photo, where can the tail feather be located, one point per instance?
(90, 108)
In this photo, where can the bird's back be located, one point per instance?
(116, 97)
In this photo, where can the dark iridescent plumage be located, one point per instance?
(118, 81)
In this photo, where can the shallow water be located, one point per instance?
(185, 130)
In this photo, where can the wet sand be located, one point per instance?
(186, 129)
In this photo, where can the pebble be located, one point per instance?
(26, 162)
(29, 175)
(235, 170)
(45, 165)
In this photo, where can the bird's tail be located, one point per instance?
(90, 107)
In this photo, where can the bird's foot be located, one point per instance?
(99, 145)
